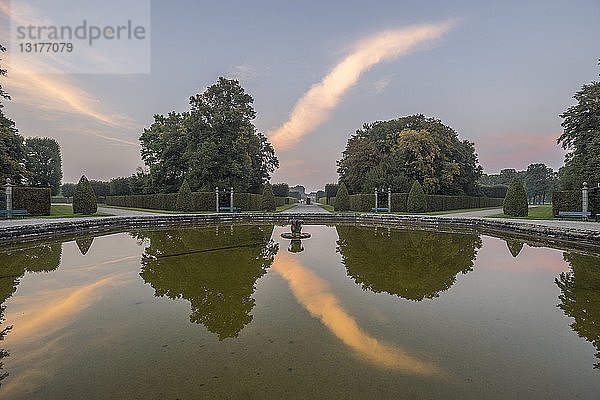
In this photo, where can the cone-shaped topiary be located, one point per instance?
(84, 198)
(417, 202)
(268, 198)
(515, 202)
(185, 201)
(342, 199)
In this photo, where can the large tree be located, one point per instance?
(581, 137)
(12, 151)
(213, 144)
(539, 182)
(394, 153)
(43, 161)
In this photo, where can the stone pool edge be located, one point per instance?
(49, 229)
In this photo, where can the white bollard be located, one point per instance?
(217, 193)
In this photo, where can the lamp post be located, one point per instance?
(217, 193)
(584, 197)
(9, 188)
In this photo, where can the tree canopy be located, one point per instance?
(581, 137)
(212, 144)
(43, 161)
(394, 153)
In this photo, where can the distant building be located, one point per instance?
(299, 189)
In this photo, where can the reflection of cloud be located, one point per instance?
(517, 150)
(314, 107)
(313, 293)
(44, 318)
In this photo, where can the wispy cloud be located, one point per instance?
(315, 106)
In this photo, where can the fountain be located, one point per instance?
(296, 230)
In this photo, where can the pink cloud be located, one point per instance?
(518, 150)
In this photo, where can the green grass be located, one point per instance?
(539, 212)
(326, 207)
(66, 211)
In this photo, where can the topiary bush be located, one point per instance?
(515, 202)
(416, 202)
(185, 200)
(342, 199)
(268, 198)
(84, 198)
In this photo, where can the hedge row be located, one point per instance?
(280, 201)
(365, 202)
(35, 200)
(202, 201)
(570, 200)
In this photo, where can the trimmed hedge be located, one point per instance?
(157, 201)
(268, 198)
(417, 201)
(247, 201)
(84, 198)
(185, 202)
(35, 200)
(364, 202)
(342, 200)
(281, 201)
(566, 200)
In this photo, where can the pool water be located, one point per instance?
(354, 312)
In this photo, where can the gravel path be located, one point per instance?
(306, 209)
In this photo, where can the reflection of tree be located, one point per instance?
(411, 264)
(13, 264)
(580, 296)
(84, 244)
(215, 269)
(514, 246)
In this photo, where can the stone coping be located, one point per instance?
(51, 229)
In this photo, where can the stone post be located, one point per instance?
(231, 198)
(9, 189)
(217, 193)
(584, 197)
(389, 199)
(375, 199)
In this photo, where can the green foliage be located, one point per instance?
(540, 181)
(416, 202)
(281, 190)
(68, 189)
(497, 191)
(395, 152)
(184, 202)
(212, 144)
(342, 199)
(35, 200)
(515, 202)
(101, 188)
(514, 247)
(268, 199)
(581, 137)
(158, 201)
(43, 161)
(120, 187)
(331, 190)
(361, 202)
(295, 195)
(566, 200)
(12, 150)
(320, 193)
(248, 201)
(84, 198)
(412, 264)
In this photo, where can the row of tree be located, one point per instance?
(539, 180)
(33, 161)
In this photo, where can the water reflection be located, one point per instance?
(411, 264)
(514, 247)
(84, 244)
(13, 265)
(214, 269)
(580, 296)
(314, 294)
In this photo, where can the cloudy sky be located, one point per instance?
(499, 73)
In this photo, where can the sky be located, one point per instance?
(499, 73)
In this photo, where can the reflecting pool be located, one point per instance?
(353, 312)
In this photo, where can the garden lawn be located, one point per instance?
(537, 212)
